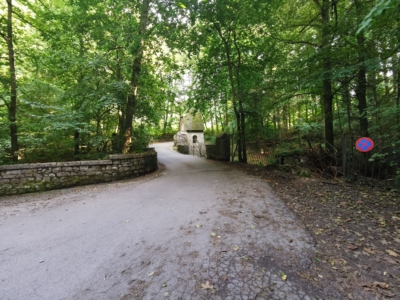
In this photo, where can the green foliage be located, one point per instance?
(309, 131)
(387, 8)
(74, 66)
(141, 138)
(267, 61)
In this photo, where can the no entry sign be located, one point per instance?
(364, 144)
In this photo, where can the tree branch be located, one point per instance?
(5, 102)
(296, 42)
(309, 23)
(3, 36)
(25, 20)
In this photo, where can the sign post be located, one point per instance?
(364, 144)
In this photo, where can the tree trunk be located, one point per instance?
(226, 111)
(211, 121)
(361, 89)
(136, 68)
(12, 106)
(338, 115)
(166, 114)
(118, 136)
(236, 100)
(326, 65)
(307, 112)
(346, 99)
(76, 142)
(216, 118)
(242, 133)
(372, 79)
(396, 85)
(278, 121)
(284, 119)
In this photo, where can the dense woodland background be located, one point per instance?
(80, 79)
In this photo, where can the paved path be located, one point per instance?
(138, 239)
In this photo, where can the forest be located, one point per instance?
(81, 79)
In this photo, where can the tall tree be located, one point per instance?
(12, 103)
(137, 53)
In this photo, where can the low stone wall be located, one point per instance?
(24, 178)
(221, 149)
(184, 149)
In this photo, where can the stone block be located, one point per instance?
(95, 173)
(28, 171)
(6, 186)
(9, 176)
(69, 164)
(62, 174)
(96, 162)
(14, 172)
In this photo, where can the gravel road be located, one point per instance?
(196, 229)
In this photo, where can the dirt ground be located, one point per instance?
(356, 230)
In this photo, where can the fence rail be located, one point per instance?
(379, 167)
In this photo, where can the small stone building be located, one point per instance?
(190, 137)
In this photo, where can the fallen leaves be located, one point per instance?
(352, 247)
(207, 286)
(319, 231)
(389, 260)
(392, 253)
(383, 285)
(283, 276)
(379, 287)
(354, 225)
(236, 248)
(388, 294)
(370, 251)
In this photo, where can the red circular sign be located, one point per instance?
(364, 144)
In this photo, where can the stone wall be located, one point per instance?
(221, 149)
(184, 149)
(24, 178)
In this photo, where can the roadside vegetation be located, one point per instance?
(295, 83)
(80, 79)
